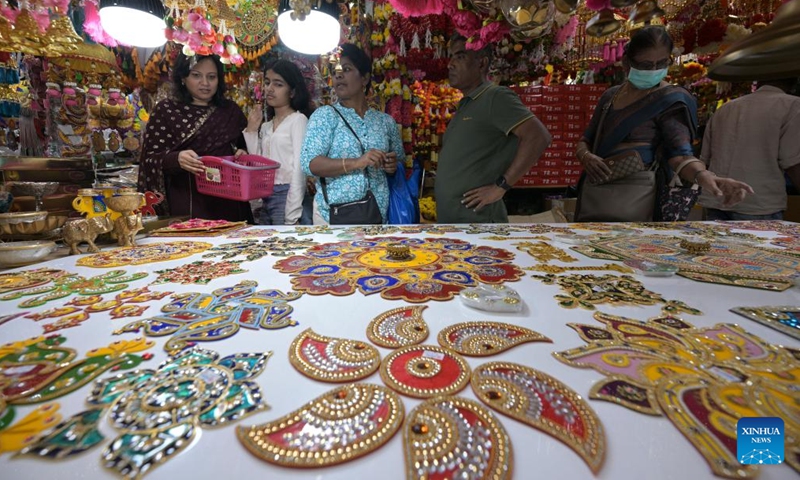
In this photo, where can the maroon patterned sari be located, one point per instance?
(176, 126)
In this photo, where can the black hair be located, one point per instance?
(180, 71)
(651, 36)
(301, 100)
(485, 52)
(788, 85)
(360, 60)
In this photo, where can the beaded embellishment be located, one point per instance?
(332, 359)
(452, 437)
(398, 327)
(343, 424)
(481, 339)
(425, 371)
(541, 401)
(785, 319)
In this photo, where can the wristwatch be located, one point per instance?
(501, 182)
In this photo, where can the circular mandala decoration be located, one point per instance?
(258, 23)
(156, 252)
(425, 371)
(434, 269)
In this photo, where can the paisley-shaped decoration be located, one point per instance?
(18, 435)
(345, 423)
(70, 437)
(481, 339)
(452, 437)
(541, 401)
(425, 371)
(686, 401)
(398, 327)
(333, 359)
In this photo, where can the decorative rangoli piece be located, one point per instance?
(197, 227)
(452, 437)
(255, 249)
(544, 252)
(66, 285)
(201, 317)
(40, 369)
(199, 272)
(75, 435)
(25, 279)
(784, 228)
(588, 291)
(612, 267)
(492, 298)
(542, 402)
(785, 319)
(343, 424)
(789, 243)
(151, 253)
(725, 263)
(12, 316)
(252, 233)
(372, 230)
(398, 327)
(425, 371)
(728, 374)
(17, 436)
(434, 269)
(303, 231)
(481, 339)
(333, 359)
(158, 412)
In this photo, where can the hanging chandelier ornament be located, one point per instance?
(602, 24)
(193, 30)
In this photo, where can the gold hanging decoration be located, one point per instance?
(62, 36)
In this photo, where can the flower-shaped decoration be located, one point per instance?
(158, 412)
(702, 379)
(198, 36)
(438, 268)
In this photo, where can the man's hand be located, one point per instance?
(478, 198)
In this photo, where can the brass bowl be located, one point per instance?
(32, 228)
(124, 203)
(17, 254)
(398, 251)
(16, 218)
(695, 247)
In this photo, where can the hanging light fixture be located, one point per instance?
(602, 24)
(309, 26)
(139, 23)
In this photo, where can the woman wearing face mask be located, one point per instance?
(648, 116)
(196, 122)
(280, 139)
(349, 145)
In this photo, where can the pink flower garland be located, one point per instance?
(417, 8)
(92, 26)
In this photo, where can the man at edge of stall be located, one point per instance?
(755, 138)
(491, 142)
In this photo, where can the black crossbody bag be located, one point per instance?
(364, 211)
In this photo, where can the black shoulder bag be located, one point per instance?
(364, 211)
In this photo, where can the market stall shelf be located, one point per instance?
(666, 366)
(725, 263)
(434, 269)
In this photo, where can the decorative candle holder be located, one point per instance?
(398, 251)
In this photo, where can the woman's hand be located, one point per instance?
(239, 153)
(732, 191)
(254, 118)
(190, 161)
(372, 158)
(390, 163)
(596, 170)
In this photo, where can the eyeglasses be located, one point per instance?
(661, 64)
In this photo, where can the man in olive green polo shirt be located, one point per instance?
(491, 142)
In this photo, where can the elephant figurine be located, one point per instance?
(86, 230)
(126, 227)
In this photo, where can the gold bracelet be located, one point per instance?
(344, 166)
(581, 157)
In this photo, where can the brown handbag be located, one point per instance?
(622, 165)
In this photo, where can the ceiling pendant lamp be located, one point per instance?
(138, 23)
(309, 26)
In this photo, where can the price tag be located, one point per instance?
(433, 355)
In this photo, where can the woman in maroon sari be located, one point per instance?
(198, 121)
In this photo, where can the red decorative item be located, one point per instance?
(712, 30)
(417, 8)
(425, 371)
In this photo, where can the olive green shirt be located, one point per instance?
(477, 148)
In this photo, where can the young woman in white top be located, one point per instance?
(280, 139)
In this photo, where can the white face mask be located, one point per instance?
(644, 79)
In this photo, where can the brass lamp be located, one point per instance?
(602, 24)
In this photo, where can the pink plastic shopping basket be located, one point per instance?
(245, 178)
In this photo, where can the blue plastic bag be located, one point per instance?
(403, 204)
